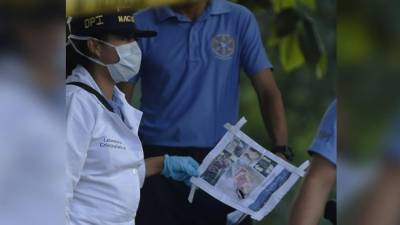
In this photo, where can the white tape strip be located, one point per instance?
(304, 165)
(235, 217)
(235, 129)
(192, 192)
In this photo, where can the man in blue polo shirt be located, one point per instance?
(190, 89)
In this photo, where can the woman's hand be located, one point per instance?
(180, 168)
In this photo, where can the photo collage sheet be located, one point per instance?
(245, 176)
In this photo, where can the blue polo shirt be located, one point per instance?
(190, 72)
(324, 143)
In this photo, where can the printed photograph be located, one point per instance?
(245, 179)
(237, 147)
(265, 166)
(251, 155)
(217, 167)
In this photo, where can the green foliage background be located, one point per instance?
(306, 93)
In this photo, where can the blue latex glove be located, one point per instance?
(180, 168)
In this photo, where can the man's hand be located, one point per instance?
(285, 152)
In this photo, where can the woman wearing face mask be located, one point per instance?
(105, 164)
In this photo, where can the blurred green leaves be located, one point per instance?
(295, 35)
(290, 53)
(283, 4)
(298, 41)
(309, 3)
(90, 7)
(355, 42)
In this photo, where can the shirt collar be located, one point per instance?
(80, 74)
(216, 7)
(164, 13)
(219, 7)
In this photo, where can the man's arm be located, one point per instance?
(271, 105)
(310, 203)
(128, 89)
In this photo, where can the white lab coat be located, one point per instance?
(105, 163)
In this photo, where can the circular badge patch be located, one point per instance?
(223, 45)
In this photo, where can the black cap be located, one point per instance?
(116, 23)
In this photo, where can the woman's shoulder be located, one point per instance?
(76, 95)
(80, 101)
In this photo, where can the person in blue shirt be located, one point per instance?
(190, 88)
(310, 204)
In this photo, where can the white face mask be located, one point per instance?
(128, 65)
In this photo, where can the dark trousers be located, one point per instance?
(164, 201)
